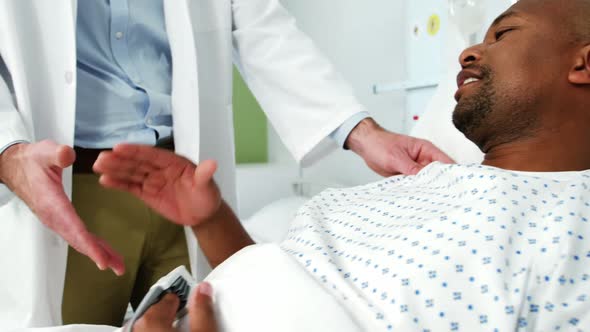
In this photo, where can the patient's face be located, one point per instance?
(520, 65)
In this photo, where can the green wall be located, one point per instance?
(250, 125)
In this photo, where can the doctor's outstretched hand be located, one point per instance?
(390, 154)
(170, 184)
(34, 173)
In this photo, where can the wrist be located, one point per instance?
(359, 135)
(7, 157)
(198, 222)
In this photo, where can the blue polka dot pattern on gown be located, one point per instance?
(454, 248)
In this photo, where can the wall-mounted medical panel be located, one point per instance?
(425, 31)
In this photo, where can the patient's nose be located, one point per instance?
(470, 56)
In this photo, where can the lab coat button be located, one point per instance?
(149, 121)
(118, 35)
(69, 77)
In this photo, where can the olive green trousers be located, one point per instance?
(150, 245)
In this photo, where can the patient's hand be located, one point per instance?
(170, 184)
(160, 316)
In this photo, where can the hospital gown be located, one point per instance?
(455, 248)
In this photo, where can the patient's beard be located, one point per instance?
(471, 112)
(492, 117)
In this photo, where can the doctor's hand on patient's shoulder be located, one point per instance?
(172, 185)
(389, 153)
(160, 317)
(34, 173)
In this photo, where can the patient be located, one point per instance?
(500, 246)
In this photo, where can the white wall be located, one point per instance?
(364, 40)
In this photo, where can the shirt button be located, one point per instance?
(69, 76)
(149, 121)
(118, 35)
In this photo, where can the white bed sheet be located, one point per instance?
(261, 288)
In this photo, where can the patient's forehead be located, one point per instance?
(553, 12)
(551, 20)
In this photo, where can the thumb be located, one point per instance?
(64, 156)
(204, 172)
(444, 158)
(407, 166)
(201, 314)
(435, 154)
(161, 314)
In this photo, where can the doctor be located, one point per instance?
(91, 74)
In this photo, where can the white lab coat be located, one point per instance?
(303, 96)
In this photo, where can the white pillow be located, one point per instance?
(272, 222)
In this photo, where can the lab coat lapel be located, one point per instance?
(185, 100)
(38, 47)
(185, 83)
(200, 41)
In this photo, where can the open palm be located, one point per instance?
(170, 184)
(34, 173)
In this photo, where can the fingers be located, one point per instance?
(201, 314)
(99, 252)
(409, 167)
(134, 176)
(67, 223)
(111, 182)
(437, 155)
(65, 156)
(160, 316)
(57, 212)
(204, 173)
(53, 155)
(150, 167)
(116, 261)
(402, 162)
(122, 168)
(150, 155)
(149, 188)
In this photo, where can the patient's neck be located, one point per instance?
(555, 152)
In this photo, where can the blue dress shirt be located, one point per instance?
(124, 75)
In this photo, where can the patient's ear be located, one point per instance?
(580, 72)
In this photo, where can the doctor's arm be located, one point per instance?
(33, 172)
(307, 100)
(180, 191)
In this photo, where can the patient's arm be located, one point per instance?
(179, 190)
(221, 236)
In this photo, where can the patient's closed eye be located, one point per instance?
(498, 35)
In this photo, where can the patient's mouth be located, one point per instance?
(468, 84)
(470, 80)
(466, 78)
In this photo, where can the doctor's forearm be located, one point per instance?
(221, 236)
